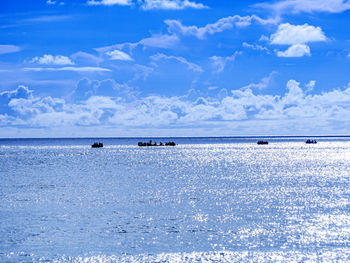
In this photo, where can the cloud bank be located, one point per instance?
(240, 112)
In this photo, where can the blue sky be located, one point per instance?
(174, 68)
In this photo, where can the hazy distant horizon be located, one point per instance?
(180, 137)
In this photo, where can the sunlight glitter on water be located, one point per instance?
(281, 202)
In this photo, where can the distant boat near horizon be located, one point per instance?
(142, 144)
(97, 145)
(262, 142)
(308, 141)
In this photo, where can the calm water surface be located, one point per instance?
(205, 200)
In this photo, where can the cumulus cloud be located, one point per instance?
(5, 49)
(297, 36)
(288, 34)
(297, 50)
(109, 2)
(22, 92)
(170, 4)
(175, 26)
(118, 55)
(86, 88)
(52, 60)
(219, 63)
(307, 6)
(190, 66)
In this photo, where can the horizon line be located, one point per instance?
(179, 137)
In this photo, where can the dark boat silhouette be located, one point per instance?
(262, 142)
(97, 145)
(308, 141)
(142, 144)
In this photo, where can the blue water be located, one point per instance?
(205, 200)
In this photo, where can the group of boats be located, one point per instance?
(143, 144)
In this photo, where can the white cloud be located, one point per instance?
(160, 41)
(21, 92)
(151, 4)
(175, 26)
(191, 66)
(118, 55)
(170, 4)
(297, 50)
(219, 63)
(308, 6)
(80, 55)
(310, 86)
(155, 41)
(76, 69)
(109, 2)
(45, 19)
(297, 36)
(295, 112)
(255, 47)
(263, 84)
(5, 49)
(86, 88)
(288, 34)
(52, 60)
(52, 2)
(295, 94)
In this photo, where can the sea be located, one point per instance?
(224, 199)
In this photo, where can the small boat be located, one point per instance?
(308, 141)
(97, 145)
(262, 142)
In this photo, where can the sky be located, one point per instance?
(124, 68)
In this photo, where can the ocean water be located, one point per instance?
(204, 200)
